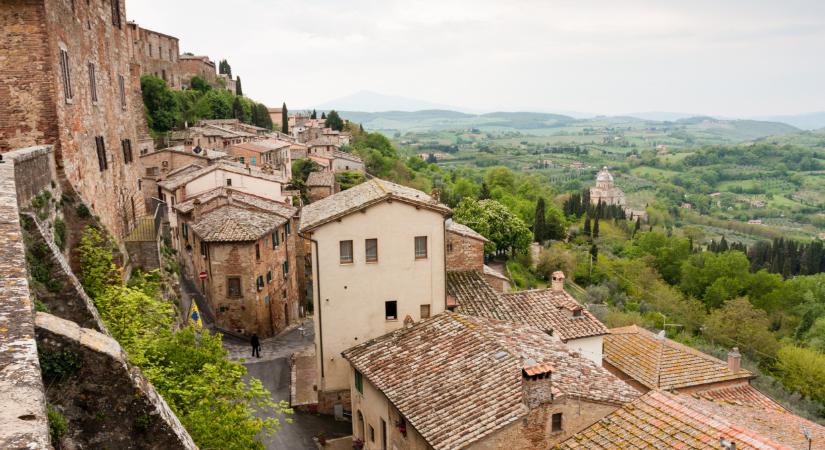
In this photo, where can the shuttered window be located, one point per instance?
(126, 144)
(116, 13)
(92, 82)
(66, 75)
(122, 84)
(100, 146)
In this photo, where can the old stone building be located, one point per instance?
(68, 79)
(157, 54)
(605, 190)
(378, 260)
(201, 66)
(209, 137)
(465, 251)
(273, 153)
(458, 381)
(246, 248)
(157, 165)
(321, 185)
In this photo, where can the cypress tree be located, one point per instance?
(284, 119)
(638, 224)
(596, 227)
(323, 115)
(238, 88)
(723, 244)
(361, 127)
(237, 110)
(587, 224)
(539, 226)
(314, 115)
(594, 252)
(485, 192)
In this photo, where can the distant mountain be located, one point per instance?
(661, 116)
(809, 121)
(369, 101)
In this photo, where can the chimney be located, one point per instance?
(734, 360)
(558, 281)
(408, 321)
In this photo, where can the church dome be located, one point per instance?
(604, 175)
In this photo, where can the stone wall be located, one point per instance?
(107, 402)
(23, 421)
(464, 253)
(33, 169)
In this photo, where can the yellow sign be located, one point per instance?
(195, 315)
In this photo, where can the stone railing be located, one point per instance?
(23, 420)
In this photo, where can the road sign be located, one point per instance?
(202, 275)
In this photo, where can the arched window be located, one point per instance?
(361, 432)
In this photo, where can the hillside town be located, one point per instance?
(396, 325)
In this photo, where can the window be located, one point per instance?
(64, 72)
(391, 310)
(253, 161)
(450, 247)
(372, 434)
(268, 277)
(346, 252)
(101, 153)
(92, 82)
(184, 231)
(260, 282)
(275, 239)
(359, 381)
(229, 181)
(371, 246)
(116, 13)
(420, 247)
(233, 287)
(556, 423)
(383, 434)
(425, 311)
(126, 144)
(257, 251)
(287, 227)
(285, 267)
(122, 83)
(204, 250)
(241, 159)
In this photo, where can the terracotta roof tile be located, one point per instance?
(432, 370)
(661, 363)
(362, 196)
(240, 198)
(464, 230)
(475, 296)
(326, 179)
(741, 395)
(666, 421)
(234, 224)
(181, 178)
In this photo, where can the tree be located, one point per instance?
(586, 228)
(199, 84)
(491, 219)
(594, 252)
(162, 110)
(803, 370)
(237, 110)
(334, 121)
(238, 88)
(314, 115)
(596, 228)
(539, 227)
(739, 324)
(323, 115)
(224, 68)
(284, 119)
(485, 192)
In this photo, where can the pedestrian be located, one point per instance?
(256, 346)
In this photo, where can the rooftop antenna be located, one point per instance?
(807, 433)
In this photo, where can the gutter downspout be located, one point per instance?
(317, 276)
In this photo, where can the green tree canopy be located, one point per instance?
(199, 84)
(162, 110)
(491, 219)
(334, 121)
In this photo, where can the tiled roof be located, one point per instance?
(475, 296)
(660, 420)
(238, 197)
(234, 224)
(741, 395)
(348, 156)
(457, 379)
(545, 309)
(323, 141)
(464, 230)
(660, 363)
(362, 196)
(179, 179)
(321, 179)
(209, 154)
(494, 273)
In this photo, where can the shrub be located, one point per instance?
(83, 211)
(60, 233)
(97, 267)
(57, 365)
(57, 424)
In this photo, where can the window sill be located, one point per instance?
(346, 263)
(418, 258)
(372, 262)
(391, 320)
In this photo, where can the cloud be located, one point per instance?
(737, 57)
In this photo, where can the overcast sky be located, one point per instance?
(723, 57)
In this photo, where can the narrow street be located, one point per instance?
(273, 370)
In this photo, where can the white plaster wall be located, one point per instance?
(352, 295)
(252, 185)
(589, 347)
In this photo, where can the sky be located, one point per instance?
(737, 58)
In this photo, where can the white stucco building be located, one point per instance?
(377, 261)
(605, 190)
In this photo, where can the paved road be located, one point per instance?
(273, 370)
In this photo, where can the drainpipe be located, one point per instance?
(317, 276)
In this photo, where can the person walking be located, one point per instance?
(256, 346)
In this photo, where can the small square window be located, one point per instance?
(420, 247)
(556, 423)
(268, 277)
(229, 181)
(260, 282)
(391, 310)
(204, 250)
(275, 239)
(286, 268)
(346, 252)
(258, 251)
(371, 246)
(359, 382)
(425, 311)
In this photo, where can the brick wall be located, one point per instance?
(157, 54)
(464, 253)
(34, 108)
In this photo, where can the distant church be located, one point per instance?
(605, 191)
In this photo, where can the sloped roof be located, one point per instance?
(179, 179)
(234, 224)
(323, 141)
(239, 197)
(348, 156)
(741, 395)
(494, 273)
(661, 363)
(659, 419)
(326, 179)
(544, 308)
(547, 310)
(362, 196)
(432, 370)
(464, 230)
